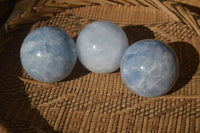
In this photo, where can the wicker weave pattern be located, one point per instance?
(89, 102)
(48, 8)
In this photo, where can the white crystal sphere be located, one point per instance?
(100, 46)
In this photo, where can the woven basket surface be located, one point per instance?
(90, 102)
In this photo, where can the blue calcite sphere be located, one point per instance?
(48, 54)
(149, 68)
(100, 46)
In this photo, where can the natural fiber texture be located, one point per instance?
(90, 102)
(35, 10)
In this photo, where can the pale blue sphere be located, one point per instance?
(48, 54)
(100, 46)
(149, 68)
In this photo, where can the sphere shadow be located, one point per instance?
(78, 71)
(16, 108)
(188, 63)
(136, 33)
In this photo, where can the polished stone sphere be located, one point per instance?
(100, 46)
(48, 54)
(149, 68)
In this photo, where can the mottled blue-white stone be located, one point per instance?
(149, 68)
(100, 46)
(48, 54)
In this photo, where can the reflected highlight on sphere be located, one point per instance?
(48, 54)
(149, 68)
(100, 46)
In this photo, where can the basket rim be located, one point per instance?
(46, 9)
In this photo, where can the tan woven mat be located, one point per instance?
(90, 102)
